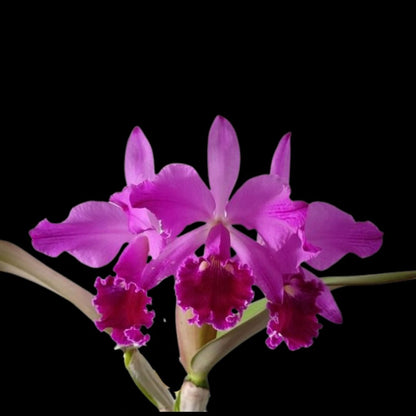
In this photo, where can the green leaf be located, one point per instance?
(335, 282)
(253, 309)
(16, 261)
(254, 320)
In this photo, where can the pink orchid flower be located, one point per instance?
(94, 233)
(327, 234)
(324, 228)
(217, 286)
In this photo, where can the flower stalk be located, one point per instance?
(191, 337)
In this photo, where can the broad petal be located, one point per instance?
(123, 309)
(93, 233)
(253, 199)
(140, 219)
(293, 253)
(157, 242)
(293, 213)
(172, 256)
(336, 233)
(177, 196)
(223, 161)
(281, 159)
(138, 162)
(263, 262)
(282, 220)
(133, 260)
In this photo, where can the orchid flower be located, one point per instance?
(324, 228)
(217, 287)
(94, 233)
(157, 226)
(327, 234)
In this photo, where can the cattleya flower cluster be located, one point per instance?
(215, 265)
(151, 213)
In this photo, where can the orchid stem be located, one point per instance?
(369, 279)
(192, 398)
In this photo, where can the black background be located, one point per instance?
(69, 103)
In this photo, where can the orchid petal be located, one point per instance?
(281, 159)
(133, 259)
(293, 213)
(93, 233)
(138, 162)
(292, 254)
(171, 257)
(223, 161)
(251, 201)
(336, 233)
(254, 207)
(177, 196)
(263, 262)
(16, 261)
(141, 221)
